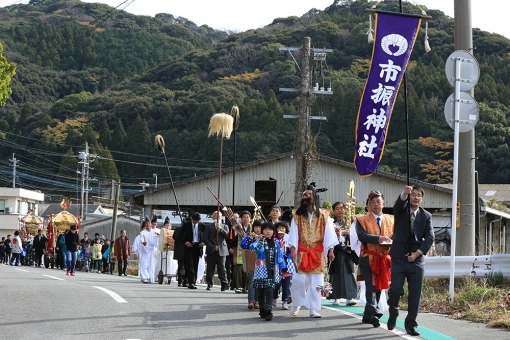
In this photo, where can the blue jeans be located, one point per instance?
(15, 256)
(71, 260)
(251, 290)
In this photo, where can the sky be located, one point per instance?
(238, 15)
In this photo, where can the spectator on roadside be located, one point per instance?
(39, 245)
(105, 252)
(122, 253)
(16, 249)
(2, 250)
(84, 240)
(96, 255)
(62, 251)
(7, 244)
(87, 256)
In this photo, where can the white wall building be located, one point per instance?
(14, 204)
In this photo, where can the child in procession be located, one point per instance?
(282, 235)
(268, 268)
(245, 244)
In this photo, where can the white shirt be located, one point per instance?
(195, 233)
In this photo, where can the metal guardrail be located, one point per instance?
(474, 266)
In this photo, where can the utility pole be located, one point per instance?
(304, 145)
(86, 159)
(115, 205)
(465, 242)
(14, 162)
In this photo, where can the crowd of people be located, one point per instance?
(378, 249)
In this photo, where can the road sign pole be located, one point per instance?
(455, 177)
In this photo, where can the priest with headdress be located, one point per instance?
(312, 237)
(146, 244)
(164, 261)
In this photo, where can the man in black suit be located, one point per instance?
(191, 236)
(215, 238)
(412, 240)
(182, 279)
(39, 246)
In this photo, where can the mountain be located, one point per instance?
(90, 73)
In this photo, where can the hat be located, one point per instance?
(154, 219)
(146, 219)
(167, 221)
(374, 193)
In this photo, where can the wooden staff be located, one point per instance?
(221, 124)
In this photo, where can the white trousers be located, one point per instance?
(304, 292)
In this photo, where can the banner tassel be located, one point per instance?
(370, 31)
(427, 46)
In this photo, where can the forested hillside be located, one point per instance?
(91, 73)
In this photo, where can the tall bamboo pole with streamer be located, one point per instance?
(221, 125)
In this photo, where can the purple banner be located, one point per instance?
(394, 40)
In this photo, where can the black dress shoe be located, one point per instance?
(374, 320)
(412, 331)
(391, 323)
(192, 286)
(365, 320)
(224, 288)
(208, 287)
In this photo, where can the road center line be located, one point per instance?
(114, 295)
(53, 277)
(22, 270)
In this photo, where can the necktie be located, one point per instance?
(378, 219)
(413, 216)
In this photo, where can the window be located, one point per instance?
(18, 207)
(265, 192)
(2, 205)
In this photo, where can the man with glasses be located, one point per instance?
(412, 240)
(374, 231)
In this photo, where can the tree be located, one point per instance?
(118, 137)
(7, 71)
(105, 135)
(26, 112)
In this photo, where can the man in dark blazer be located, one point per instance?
(215, 238)
(412, 240)
(191, 236)
(39, 246)
(182, 279)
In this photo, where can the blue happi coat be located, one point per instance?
(263, 265)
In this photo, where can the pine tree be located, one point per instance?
(105, 135)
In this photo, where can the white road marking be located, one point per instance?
(114, 295)
(23, 270)
(53, 277)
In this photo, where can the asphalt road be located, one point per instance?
(39, 303)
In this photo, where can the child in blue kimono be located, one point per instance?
(268, 268)
(282, 229)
